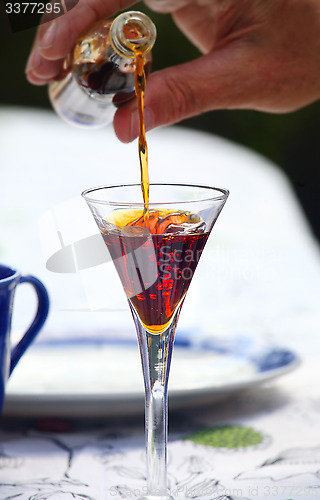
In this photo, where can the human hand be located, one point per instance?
(257, 54)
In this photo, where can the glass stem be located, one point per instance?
(156, 352)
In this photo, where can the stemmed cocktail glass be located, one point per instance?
(155, 255)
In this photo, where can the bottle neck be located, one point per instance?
(132, 33)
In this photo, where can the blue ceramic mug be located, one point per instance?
(9, 357)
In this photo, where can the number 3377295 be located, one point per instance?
(33, 8)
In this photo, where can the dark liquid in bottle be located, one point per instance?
(99, 74)
(100, 71)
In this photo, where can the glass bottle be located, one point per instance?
(98, 76)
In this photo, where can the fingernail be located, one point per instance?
(33, 61)
(48, 38)
(148, 122)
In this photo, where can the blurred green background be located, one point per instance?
(292, 141)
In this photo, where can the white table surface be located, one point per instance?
(260, 276)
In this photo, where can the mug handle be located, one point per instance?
(37, 323)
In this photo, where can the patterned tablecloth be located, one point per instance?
(262, 279)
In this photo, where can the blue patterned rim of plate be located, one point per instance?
(264, 356)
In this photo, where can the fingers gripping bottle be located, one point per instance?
(98, 76)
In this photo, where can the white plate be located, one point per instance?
(95, 377)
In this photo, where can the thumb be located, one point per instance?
(213, 81)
